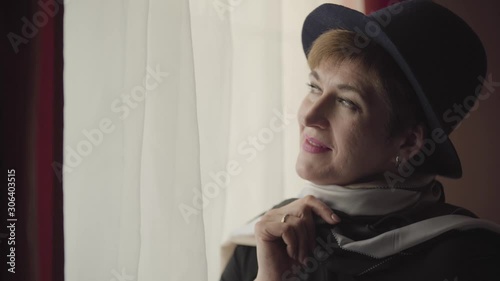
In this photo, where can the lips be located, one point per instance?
(313, 145)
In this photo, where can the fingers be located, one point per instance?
(311, 226)
(297, 233)
(298, 230)
(290, 238)
(321, 209)
(271, 229)
(305, 234)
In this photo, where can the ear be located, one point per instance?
(411, 141)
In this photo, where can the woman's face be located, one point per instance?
(343, 127)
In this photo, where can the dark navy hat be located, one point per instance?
(437, 51)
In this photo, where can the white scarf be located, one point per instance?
(375, 198)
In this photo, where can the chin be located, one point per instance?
(311, 174)
(308, 173)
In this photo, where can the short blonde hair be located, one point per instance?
(389, 82)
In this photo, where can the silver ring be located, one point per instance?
(283, 219)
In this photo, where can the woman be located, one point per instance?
(374, 135)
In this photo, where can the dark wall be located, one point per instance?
(478, 138)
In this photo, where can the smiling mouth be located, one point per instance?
(314, 146)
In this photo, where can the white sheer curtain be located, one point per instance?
(179, 127)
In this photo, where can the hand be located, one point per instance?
(282, 245)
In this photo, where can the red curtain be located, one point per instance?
(373, 5)
(32, 121)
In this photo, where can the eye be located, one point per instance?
(347, 103)
(313, 89)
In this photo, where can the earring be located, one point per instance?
(398, 161)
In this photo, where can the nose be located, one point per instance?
(316, 113)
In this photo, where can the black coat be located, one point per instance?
(455, 255)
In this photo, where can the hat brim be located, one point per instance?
(442, 160)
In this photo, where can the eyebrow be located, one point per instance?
(341, 87)
(345, 87)
(314, 74)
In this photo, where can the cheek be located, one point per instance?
(357, 140)
(347, 130)
(350, 140)
(368, 146)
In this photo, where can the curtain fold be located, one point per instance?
(131, 142)
(179, 126)
(171, 248)
(49, 146)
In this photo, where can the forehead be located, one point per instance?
(351, 73)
